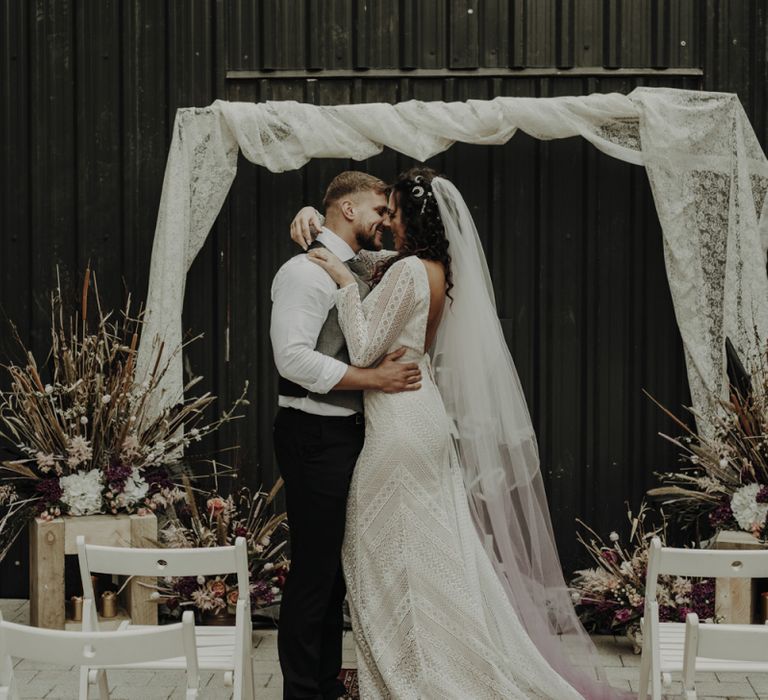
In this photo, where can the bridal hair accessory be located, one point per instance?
(418, 191)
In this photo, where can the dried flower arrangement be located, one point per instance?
(609, 597)
(81, 425)
(206, 519)
(723, 484)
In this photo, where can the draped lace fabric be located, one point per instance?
(430, 616)
(708, 176)
(706, 168)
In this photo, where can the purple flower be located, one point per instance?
(762, 495)
(721, 515)
(667, 613)
(116, 475)
(261, 594)
(622, 615)
(682, 613)
(185, 585)
(703, 598)
(158, 480)
(241, 531)
(610, 555)
(50, 490)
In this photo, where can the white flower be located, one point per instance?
(81, 491)
(106, 399)
(201, 580)
(135, 489)
(48, 389)
(84, 420)
(614, 536)
(131, 449)
(45, 462)
(79, 450)
(746, 509)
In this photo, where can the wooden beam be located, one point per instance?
(384, 73)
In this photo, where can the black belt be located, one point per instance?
(355, 418)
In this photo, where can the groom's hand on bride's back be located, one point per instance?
(396, 376)
(390, 376)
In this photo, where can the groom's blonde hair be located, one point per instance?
(352, 181)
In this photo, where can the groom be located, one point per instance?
(319, 430)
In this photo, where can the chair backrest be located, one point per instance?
(130, 561)
(747, 643)
(710, 563)
(130, 646)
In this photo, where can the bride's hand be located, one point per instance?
(305, 226)
(338, 271)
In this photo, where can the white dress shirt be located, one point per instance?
(302, 295)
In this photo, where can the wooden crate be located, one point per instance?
(735, 597)
(50, 541)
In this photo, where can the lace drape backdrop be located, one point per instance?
(707, 172)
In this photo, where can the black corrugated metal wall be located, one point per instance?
(88, 91)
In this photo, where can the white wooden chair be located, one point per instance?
(219, 648)
(663, 642)
(102, 649)
(744, 645)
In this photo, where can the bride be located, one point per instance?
(453, 578)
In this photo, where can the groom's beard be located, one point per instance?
(369, 241)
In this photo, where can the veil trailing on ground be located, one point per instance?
(499, 456)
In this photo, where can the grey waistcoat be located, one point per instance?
(330, 342)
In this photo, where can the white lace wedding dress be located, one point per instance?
(430, 617)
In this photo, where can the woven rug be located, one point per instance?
(348, 677)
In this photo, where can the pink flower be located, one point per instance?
(622, 615)
(218, 588)
(215, 505)
(610, 555)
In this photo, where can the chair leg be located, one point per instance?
(656, 685)
(690, 694)
(84, 682)
(249, 683)
(244, 686)
(103, 682)
(645, 672)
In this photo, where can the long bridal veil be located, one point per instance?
(499, 455)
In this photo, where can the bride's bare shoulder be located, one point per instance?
(436, 278)
(435, 273)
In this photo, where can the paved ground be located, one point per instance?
(39, 680)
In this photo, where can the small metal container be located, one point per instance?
(108, 604)
(76, 603)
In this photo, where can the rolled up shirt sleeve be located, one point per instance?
(302, 296)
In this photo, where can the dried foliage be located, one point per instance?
(210, 520)
(84, 427)
(723, 484)
(610, 596)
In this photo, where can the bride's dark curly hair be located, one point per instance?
(424, 229)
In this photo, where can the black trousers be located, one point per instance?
(316, 456)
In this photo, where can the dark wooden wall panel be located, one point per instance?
(89, 94)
